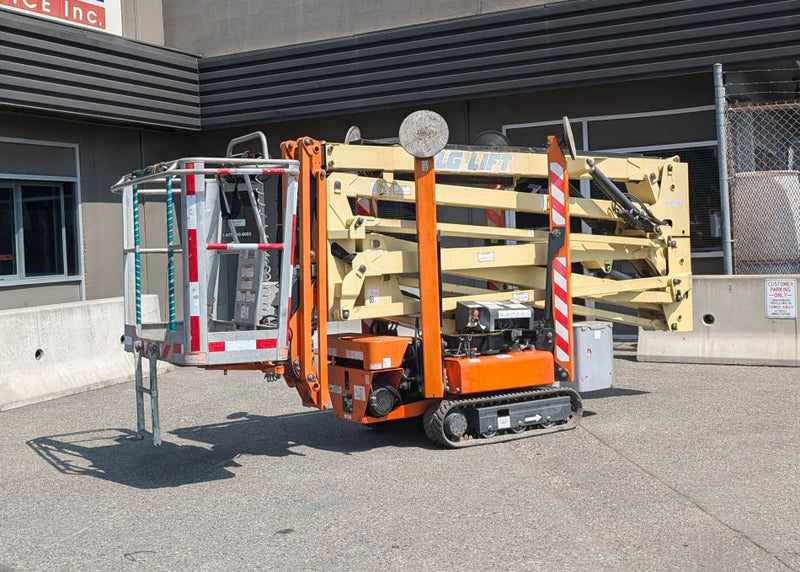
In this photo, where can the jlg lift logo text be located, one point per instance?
(473, 161)
(89, 13)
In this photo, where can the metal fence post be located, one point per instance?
(722, 148)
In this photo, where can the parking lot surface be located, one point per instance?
(679, 467)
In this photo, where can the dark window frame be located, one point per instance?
(69, 263)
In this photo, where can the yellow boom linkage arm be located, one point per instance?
(623, 271)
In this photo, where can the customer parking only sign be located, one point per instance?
(781, 297)
(104, 15)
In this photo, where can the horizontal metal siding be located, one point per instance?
(52, 67)
(544, 47)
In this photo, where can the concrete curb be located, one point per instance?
(730, 327)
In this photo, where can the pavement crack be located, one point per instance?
(134, 556)
(65, 539)
(688, 498)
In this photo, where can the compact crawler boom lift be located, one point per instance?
(477, 364)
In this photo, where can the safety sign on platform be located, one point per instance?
(781, 297)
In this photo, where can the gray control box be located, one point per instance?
(480, 317)
(593, 344)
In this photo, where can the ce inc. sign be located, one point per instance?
(104, 15)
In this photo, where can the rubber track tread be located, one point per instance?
(433, 420)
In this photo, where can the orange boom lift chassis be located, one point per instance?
(464, 400)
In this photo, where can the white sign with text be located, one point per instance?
(781, 297)
(103, 15)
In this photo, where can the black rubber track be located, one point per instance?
(433, 420)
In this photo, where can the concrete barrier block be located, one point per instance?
(730, 327)
(52, 351)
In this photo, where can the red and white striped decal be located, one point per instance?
(558, 212)
(243, 345)
(494, 218)
(244, 246)
(366, 207)
(193, 260)
(167, 349)
(561, 308)
(293, 234)
(246, 170)
(561, 263)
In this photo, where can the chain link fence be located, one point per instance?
(764, 171)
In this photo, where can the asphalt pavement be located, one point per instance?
(679, 467)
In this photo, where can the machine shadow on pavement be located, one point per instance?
(118, 455)
(612, 392)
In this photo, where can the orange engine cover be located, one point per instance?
(374, 352)
(499, 372)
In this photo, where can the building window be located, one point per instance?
(38, 230)
(705, 221)
(662, 133)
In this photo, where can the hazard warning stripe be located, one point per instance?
(192, 260)
(243, 345)
(170, 349)
(494, 217)
(294, 237)
(293, 234)
(244, 246)
(366, 207)
(246, 170)
(561, 308)
(190, 183)
(191, 240)
(194, 332)
(561, 265)
(558, 212)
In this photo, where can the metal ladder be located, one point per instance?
(151, 351)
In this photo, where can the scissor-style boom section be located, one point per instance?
(619, 272)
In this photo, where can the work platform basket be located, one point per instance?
(231, 222)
